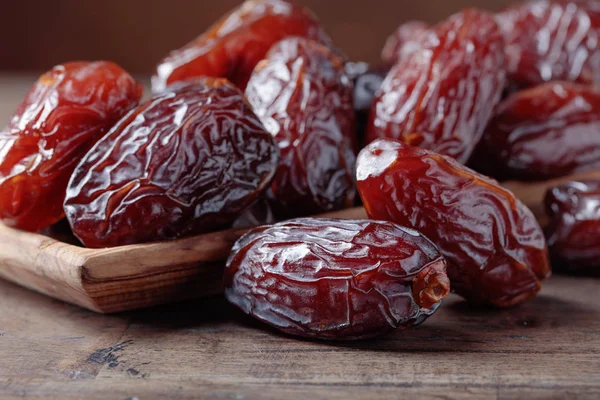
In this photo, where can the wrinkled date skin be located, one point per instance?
(187, 161)
(541, 133)
(66, 111)
(574, 230)
(336, 279)
(442, 96)
(234, 45)
(367, 81)
(405, 40)
(496, 250)
(304, 98)
(552, 40)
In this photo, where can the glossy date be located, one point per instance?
(495, 248)
(441, 96)
(574, 229)
(65, 112)
(552, 40)
(304, 98)
(187, 161)
(233, 46)
(405, 40)
(336, 279)
(541, 133)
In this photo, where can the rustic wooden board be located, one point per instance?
(131, 277)
(548, 348)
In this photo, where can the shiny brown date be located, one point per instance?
(336, 279)
(233, 46)
(552, 40)
(66, 111)
(304, 98)
(541, 133)
(495, 248)
(441, 96)
(187, 161)
(574, 229)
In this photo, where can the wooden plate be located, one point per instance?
(131, 277)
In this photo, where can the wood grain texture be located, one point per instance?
(205, 349)
(118, 279)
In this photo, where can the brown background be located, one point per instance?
(34, 35)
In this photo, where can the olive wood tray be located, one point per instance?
(131, 277)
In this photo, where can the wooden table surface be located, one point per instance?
(546, 349)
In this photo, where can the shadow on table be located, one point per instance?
(461, 327)
(456, 327)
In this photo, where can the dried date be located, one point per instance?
(66, 111)
(574, 229)
(405, 40)
(442, 95)
(541, 133)
(187, 161)
(552, 40)
(304, 98)
(233, 46)
(495, 248)
(336, 279)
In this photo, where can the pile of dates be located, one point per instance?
(259, 123)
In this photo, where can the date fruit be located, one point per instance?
(336, 279)
(233, 46)
(541, 133)
(496, 250)
(187, 161)
(304, 98)
(65, 112)
(574, 230)
(442, 96)
(552, 40)
(405, 40)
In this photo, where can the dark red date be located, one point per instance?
(442, 95)
(552, 40)
(233, 46)
(405, 40)
(66, 111)
(541, 133)
(336, 279)
(187, 161)
(304, 98)
(574, 229)
(495, 248)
